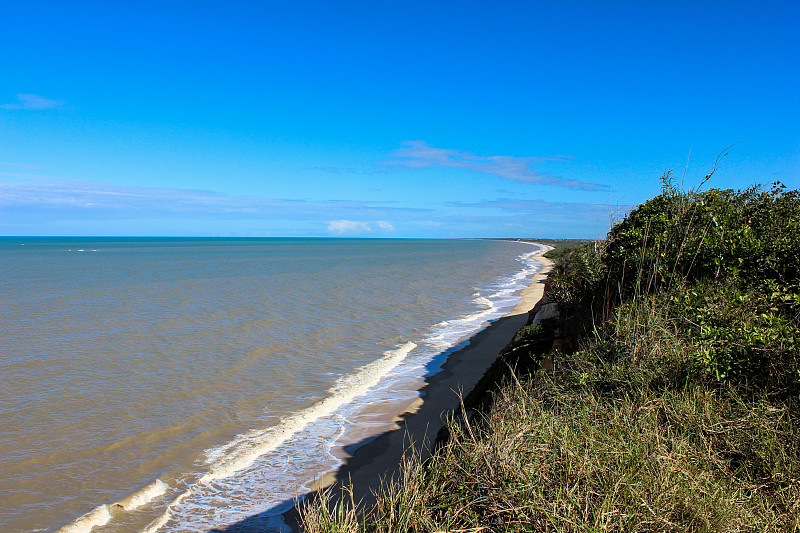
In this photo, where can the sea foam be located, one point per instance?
(143, 497)
(103, 514)
(239, 454)
(98, 516)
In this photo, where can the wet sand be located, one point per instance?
(377, 458)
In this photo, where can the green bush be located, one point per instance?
(718, 234)
(739, 335)
(728, 260)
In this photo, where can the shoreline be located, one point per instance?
(376, 458)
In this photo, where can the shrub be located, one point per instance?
(729, 262)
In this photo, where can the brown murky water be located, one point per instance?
(181, 385)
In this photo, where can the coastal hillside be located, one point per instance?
(670, 399)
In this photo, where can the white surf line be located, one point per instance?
(248, 447)
(102, 514)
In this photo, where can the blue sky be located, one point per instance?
(377, 119)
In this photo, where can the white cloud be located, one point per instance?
(347, 226)
(418, 154)
(32, 101)
(554, 211)
(40, 205)
(344, 226)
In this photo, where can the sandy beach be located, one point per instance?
(380, 457)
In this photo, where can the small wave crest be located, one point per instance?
(142, 497)
(103, 514)
(98, 516)
(481, 300)
(159, 522)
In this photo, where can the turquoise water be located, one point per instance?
(188, 384)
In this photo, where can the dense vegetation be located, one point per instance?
(674, 399)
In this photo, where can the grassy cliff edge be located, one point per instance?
(671, 399)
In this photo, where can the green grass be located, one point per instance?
(560, 246)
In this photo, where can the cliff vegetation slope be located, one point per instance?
(673, 403)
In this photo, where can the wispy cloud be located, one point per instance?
(78, 194)
(93, 195)
(549, 210)
(418, 154)
(50, 199)
(32, 101)
(347, 226)
(339, 227)
(368, 169)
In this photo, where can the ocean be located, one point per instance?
(168, 384)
